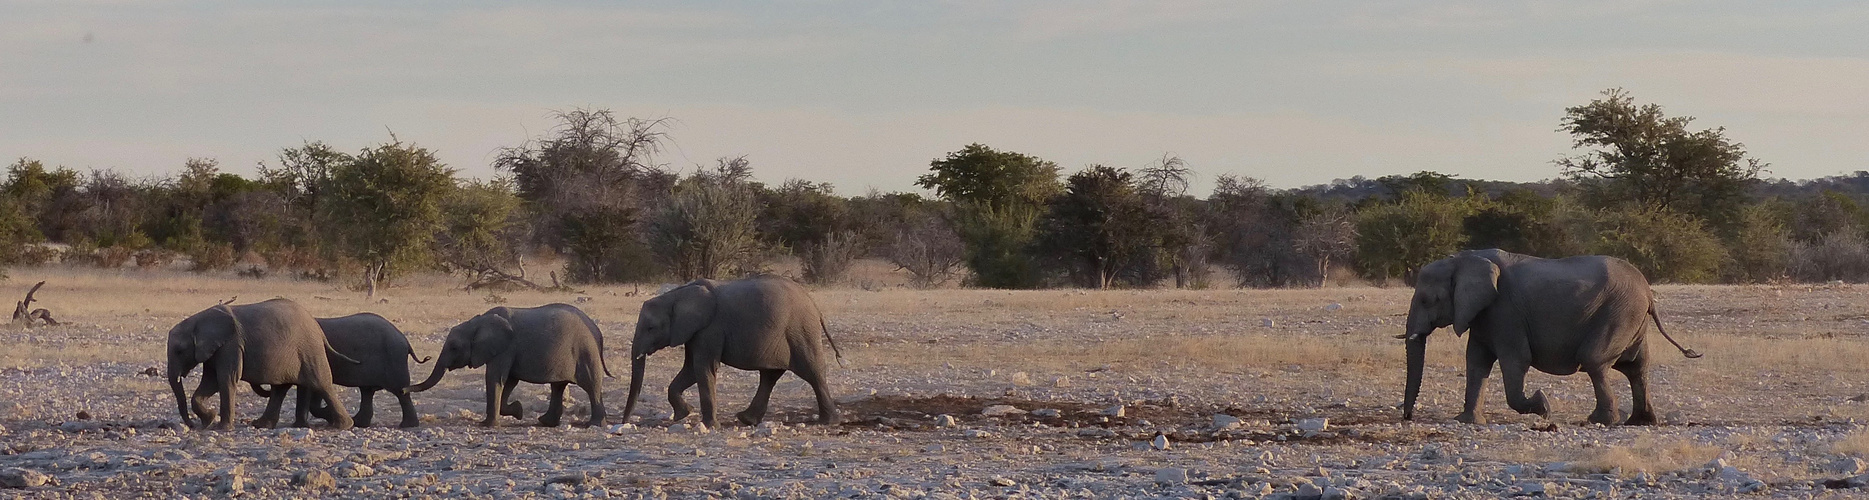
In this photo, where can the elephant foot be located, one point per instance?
(265, 423)
(1535, 405)
(360, 421)
(322, 412)
(710, 423)
(832, 418)
(681, 413)
(1470, 418)
(490, 422)
(1605, 417)
(548, 421)
(749, 418)
(1642, 418)
(224, 425)
(408, 423)
(513, 409)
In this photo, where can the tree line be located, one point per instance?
(1684, 205)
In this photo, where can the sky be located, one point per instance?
(864, 94)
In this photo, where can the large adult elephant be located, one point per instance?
(275, 342)
(1586, 313)
(767, 324)
(553, 344)
(382, 352)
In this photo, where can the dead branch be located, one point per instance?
(23, 312)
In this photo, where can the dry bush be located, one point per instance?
(1856, 443)
(1842, 255)
(1646, 454)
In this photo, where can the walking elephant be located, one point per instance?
(554, 344)
(273, 342)
(383, 355)
(1561, 316)
(766, 324)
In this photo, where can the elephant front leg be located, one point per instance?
(757, 410)
(704, 379)
(301, 416)
(228, 378)
(1479, 367)
(1606, 412)
(683, 380)
(556, 407)
(199, 401)
(495, 395)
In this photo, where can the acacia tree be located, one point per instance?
(1326, 235)
(1184, 246)
(386, 205)
(816, 224)
(1638, 154)
(481, 233)
(998, 197)
(589, 186)
(709, 228)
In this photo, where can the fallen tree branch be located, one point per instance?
(23, 312)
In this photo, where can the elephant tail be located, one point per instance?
(418, 360)
(1690, 353)
(260, 391)
(339, 355)
(827, 338)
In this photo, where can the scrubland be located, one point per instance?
(1236, 383)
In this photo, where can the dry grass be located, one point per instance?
(1856, 443)
(1646, 454)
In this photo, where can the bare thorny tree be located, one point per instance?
(590, 184)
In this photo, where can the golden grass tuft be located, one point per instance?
(1856, 443)
(1646, 454)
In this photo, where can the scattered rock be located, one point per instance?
(1002, 410)
(934, 448)
(1333, 306)
(1021, 379)
(1313, 424)
(1047, 413)
(1846, 465)
(77, 426)
(945, 420)
(1096, 432)
(231, 480)
(1224, 421)
(314, 480)
(1857, 481)
(353, 469)
(580, 479)
(1267, 322)
(1530, 489)
(1160, 442)
(83, 415)
(1114, 411)
(15, 477)
(976, 434)
(1171, 476)
(1860, 398)
(619, 428)
(1001, 481)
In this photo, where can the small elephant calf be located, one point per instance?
(382, 355)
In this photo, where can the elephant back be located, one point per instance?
(281, 340)
(379, 347)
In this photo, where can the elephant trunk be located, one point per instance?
(635, 384)
(181, 400)
(1417, 356)
(433, 378)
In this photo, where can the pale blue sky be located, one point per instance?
(864, 93)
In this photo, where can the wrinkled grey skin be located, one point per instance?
(382, 352)
(1561, 316)
(273, 342)
(765, 324)
(554, 344)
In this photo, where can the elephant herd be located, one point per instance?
(766, 324)
(1560, 316)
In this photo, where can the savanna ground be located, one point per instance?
(1773, 409)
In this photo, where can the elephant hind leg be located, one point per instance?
(511, 406)
(814, 375)
(275, 403)
(1641, 412)
(409, 417)
(593, 392)
(366, 406)
(1605, 398)
(757, 410)
(556, 408)
(1513, 372)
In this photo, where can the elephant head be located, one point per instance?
(471, 344)
(1448, 292)
(668, 320)
(195, 341)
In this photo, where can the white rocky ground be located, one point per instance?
(980, 394)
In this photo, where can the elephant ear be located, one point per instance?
(214, 328)
(492, 337)
(693, 310)
(1476, 284)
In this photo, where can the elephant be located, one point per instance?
(767, 324)
(553, 344)
(1585, 313)
(273, 342)
(383, 352)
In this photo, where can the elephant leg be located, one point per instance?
(409, 417)
(1513, 371)
(704, 380)
(301, 416)
(366, 406)
(593, 390)
(757, 410)
(683, 380)
(495, 395)
(199, 402)
(814, 375)
(1637, 372)
(1605, 398)
(275, 403)
(1479, 367)
(556, 408)
(225, 384)
(512, 407)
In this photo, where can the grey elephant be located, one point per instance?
(766, 324)
(275, 342)
(553, 344)
(383, 354)
(1561, 316)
